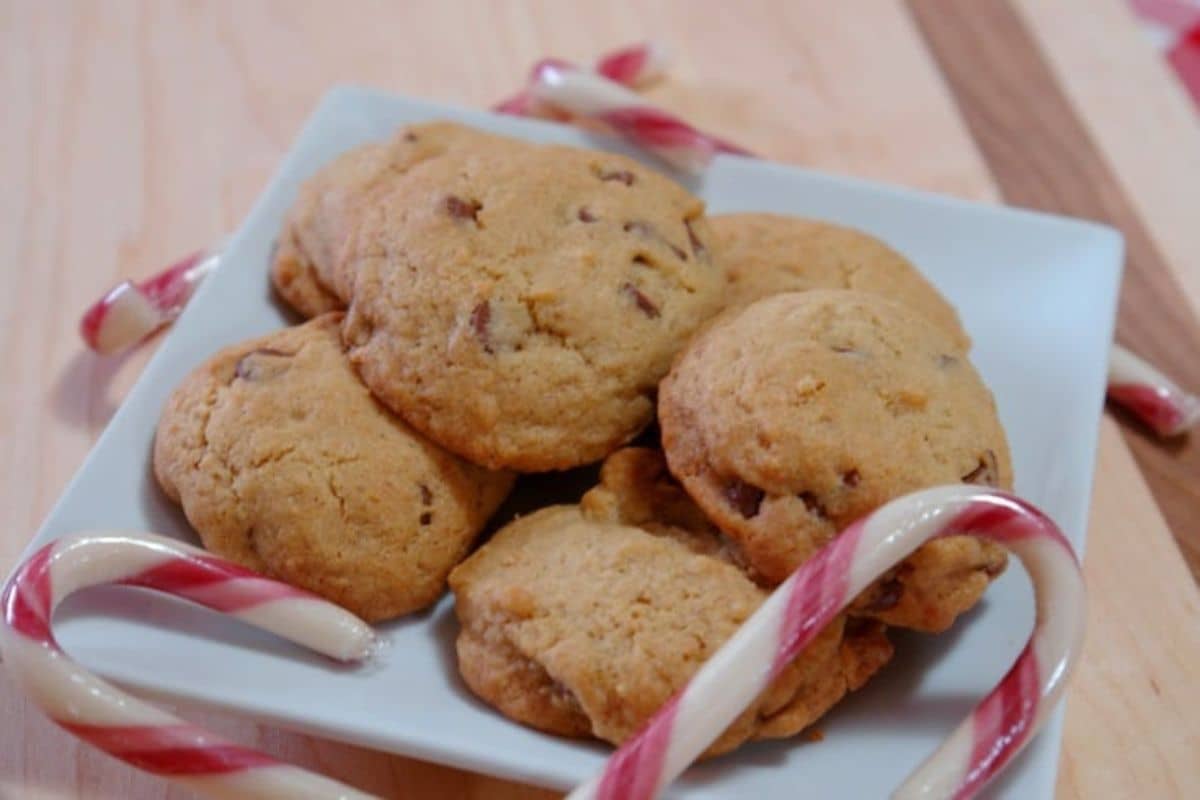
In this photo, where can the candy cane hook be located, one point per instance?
(134, 731)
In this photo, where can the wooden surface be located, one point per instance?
(134, 132)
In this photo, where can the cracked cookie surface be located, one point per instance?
(307, 270)
(284, 463)
(583, 621)
(519, 305)
(789, 420)
(765, 254)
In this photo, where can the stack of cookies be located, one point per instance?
(482, 307)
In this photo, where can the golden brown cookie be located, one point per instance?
(284, 463)
(519, 305)
(638, 490)
(307, 268)
(579, 623)
(766, 254)
(807, 410)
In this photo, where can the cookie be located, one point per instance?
(926, 592)
(284, 463)
(765, 254)
(307, 269)
(580, 624)
(638, 490)
(519, 304)
(807, 410)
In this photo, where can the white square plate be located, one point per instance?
(1037, 294)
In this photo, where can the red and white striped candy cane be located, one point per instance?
(1153, 397)
(801, 607)
(134, 731)
(595, 97)
(635, 66)
(129, 312)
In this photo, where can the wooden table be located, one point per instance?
(134, 132)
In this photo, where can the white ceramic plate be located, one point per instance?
(1037, 294)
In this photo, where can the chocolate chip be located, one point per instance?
(858, 626)
(946, 361)
(987, 473)
(745, 498)
(813, 505)
(426, 495)
(586, 216)
(481, 318)
(851, 477)
(888, 596)
(426, 518)
(839, 348)
(622, 175)
(698, 249)
(253, 367)
(462, 209)
(409, 136)
(644, 304)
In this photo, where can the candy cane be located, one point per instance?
(801, 607)
(635, 66)
(129, 729)
(129, 312)
(1152, 396)
(597, 98)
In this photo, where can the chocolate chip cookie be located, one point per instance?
(803, 412)
(284, 463)
(765, 254)
(307, 269)
(580, 623)
(519, 305)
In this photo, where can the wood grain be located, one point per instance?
(1132, 730)
(137, 131)
(1042, 156)
(1103, 82)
